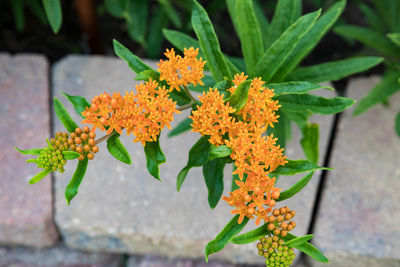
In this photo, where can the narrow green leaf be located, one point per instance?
(249, 34)
(213, 172)
(64, 117)
(397, 124)
(72, 188)
(231, 6)
(155, 37)
(180, 97)
(293, 167)
(229, 231)
(33, 151)
(117, 149)
(171, 13)
(296, 187)
(251, 236)
(181, 40)
(335, 70)
(54, 13)
(369, 38)
(18, 12)
(209, 42)
(239, 98)
(298, 241)
(68, 155)
(262, 21)
(198, 156)
(308, 249)
(135, 14)
(146, 75)
(48, 143)
(288, 88)
(183, 126)
(372, 18)
(309, 41)
(134, 62)
(80, 103)
(219, 152)
(154, 157)
(300, 117)
(115, 7)
(381, 91)
(31, 161)
(283, 46)
(395, 38)
(310, 141)
(39, 176)
(284, 14)
(316, 104)
(282, 130)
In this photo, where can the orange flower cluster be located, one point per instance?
(212, 117)
(143, 114)
(180, 71)
(254, 153)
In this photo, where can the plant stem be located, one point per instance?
(103, 138)
(188, 92)
(185, 106)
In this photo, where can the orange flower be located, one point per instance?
(213, 116)
(180, 71)
(143, 114)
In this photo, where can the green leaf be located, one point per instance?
(68, 155)
(229, 231)
(18, 10)
(31, 161)
(171, 12)
(183, 126)
(283, 46)
(54, 14)
(180, 97)
(296, 187)
(369, 38)
(251, 236)
(316, 104)
(209, 42)
(298, 241)
(288, 88)
(219, 152)
(80, 103)
(39, 176)
(181, 40)
(309, 142)
(309, 41)
(284, 15)
(381, 91)
(33, 151)
(397, 124)
(135, 14)
(249, 34)
(262, 21)
(72, 188)
(239, 98)
(282, 130)
(395, 38)
(115, 7)
(155, 37)
(231, 6)
(117, 149)
(146, 75)
(154, 157)
(213, 172)
(372, 18)
(335, 70)
(308, 249)
(293, 167)
(134, 62)
(300, 117)
(64, 117)
(198, 156)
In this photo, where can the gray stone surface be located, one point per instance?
(25, 210)
(359, 218)
(122, 208)
(57, 256)
(153, 261)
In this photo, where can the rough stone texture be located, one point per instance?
(359, 216)
(153, 261)
(122, 208)
(25, 210)
(57, 256)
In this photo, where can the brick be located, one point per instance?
(25, 210)
(122, 208)
(357, 224)
(55, 257)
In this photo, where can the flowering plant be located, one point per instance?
(237, 116)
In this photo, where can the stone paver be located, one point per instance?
(57, 256)
(359, 217)
(25, 210)
(123, 209)
(153, 261)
